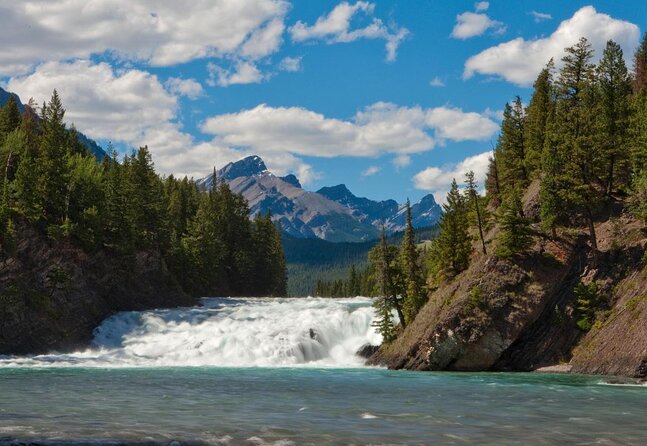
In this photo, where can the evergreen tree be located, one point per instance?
(492, 184)
(453, 242)
(511, 151)
(28, 195)
(9, 118)
(516, 234)
(471, 190)
(117, 230)
(615, 88)
(386, 297)
(638, 119)
(146, 192)
(53, 178)
(640, 67)
(415, 294)
(537, 114)
(280, 276)
(576, 134)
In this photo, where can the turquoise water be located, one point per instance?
(317, 406)
(284, 371)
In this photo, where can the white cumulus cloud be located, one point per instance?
(371, 170)
(377, 129)
(335, 27)
(190, 88)
(291, 64)
(481, 6)
(242, 72)
(540, 16)
(438, 180)
(157, 33)
(437, 82)
(472, 24)
(401, 161)
(520, 60)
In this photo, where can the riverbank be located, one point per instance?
(53, 294)
(560, 303)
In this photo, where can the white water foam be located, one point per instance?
(231, 332)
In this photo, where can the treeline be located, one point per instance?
(51, 181)
(358, 283)
(583, 136)
(394, 275)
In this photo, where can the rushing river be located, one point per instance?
(284, 371)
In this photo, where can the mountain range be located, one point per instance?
(332, 213)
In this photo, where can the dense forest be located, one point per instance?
(322, 268)
(53, 183)
(582, 140)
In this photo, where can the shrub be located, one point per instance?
(588, 302)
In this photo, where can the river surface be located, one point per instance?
(284, 371)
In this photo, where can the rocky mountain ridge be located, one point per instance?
(331, 213)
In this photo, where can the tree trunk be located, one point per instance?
(398, 309)
(478, 219)
(594, 241)
(610, 175)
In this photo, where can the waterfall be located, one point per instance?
(229, 332)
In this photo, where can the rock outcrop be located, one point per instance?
(53, 294)
(522, 315)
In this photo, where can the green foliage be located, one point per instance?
(588, 302)
(474, 298)
(538, 113)
(639, 197)
(206, 238)
(511, 149)
(450, 252)
(473, 199)
(614, 89)
(515, 237)
(414, 292)
(9, 118)
(384, 320)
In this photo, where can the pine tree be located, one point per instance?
(453, 241)
(575, 132)
(279, 269)
(511, 151)
(516, 233)
(146, 193)
(471, 190)
(492, 184)
(9, 118)
(615, 88)
(52, 161)
(640, 68)
(117, 230)
(384, 282)
(537, 114)
(638, 119)
(414, 282)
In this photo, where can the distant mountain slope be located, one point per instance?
(309, 260)
(90, 144)
(389, 212)
(332, 213)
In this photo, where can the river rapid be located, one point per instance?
(284, 371)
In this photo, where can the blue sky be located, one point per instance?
(393, 98)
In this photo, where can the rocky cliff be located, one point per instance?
(53, 294)
(522, 315)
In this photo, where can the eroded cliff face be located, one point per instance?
(522, 315)
(53, 294)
